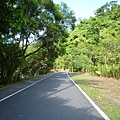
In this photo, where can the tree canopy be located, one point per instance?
(38, 35)
(32, 34)
(94, 44)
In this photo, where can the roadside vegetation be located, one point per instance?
(15, 82)
(94, 45)
(37, 36)
(30, 37)
(97, 89)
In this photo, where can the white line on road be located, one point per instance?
(23, 89)
(91, 101)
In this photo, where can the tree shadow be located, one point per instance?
(71, 74)
(55, 98)
(62, 104)
(92, 83)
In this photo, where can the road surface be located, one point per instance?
(54, 97)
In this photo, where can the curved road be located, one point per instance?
(54, 97)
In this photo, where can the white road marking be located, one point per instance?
(23, 89)
(91, 101)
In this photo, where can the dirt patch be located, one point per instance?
(109, 86)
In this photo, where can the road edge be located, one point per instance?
(24, 88)
(90, 100)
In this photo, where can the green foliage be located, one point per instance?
(30, 36)
(94, 43)
(82, 61)
(111, 109)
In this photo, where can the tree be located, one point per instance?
(97, 40)
(17, 21)
(23, 20)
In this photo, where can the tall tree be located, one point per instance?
(23, 20)
(98, 38)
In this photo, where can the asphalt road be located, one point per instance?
(54, 97)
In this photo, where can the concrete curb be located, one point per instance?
(91, 101)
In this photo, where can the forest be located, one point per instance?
(94, 45)
(37, 36)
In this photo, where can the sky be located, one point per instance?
(84, 8)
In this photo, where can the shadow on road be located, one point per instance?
(55, 98)
(60, 103)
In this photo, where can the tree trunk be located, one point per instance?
(37, 71)
(9, 76)
(1, 74)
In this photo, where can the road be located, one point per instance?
(54, 97)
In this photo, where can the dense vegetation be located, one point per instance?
(32, 33)
(94, 45)
(39, 35)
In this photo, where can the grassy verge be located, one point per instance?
(17, 82)
(111, 109)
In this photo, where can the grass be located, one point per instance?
(111, 109)
(17, 82)
(20, 81)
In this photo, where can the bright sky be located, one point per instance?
(84, 8)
